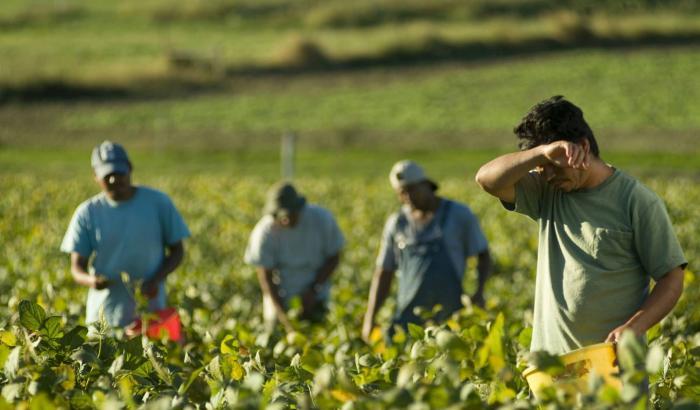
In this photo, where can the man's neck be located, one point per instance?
(599, 171)
(121, 197)
(423, 215)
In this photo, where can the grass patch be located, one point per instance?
(70, 163)
(50, 14)
(639, 100)
(110, 43)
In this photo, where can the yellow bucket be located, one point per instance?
(580, 365)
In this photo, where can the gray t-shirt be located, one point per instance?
(462, 233)
(597, 250)
(295, 252)
(127, 236)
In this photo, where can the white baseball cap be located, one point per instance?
(407, 172)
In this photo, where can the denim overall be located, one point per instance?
(427, 276)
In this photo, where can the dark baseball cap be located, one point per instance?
(283, 198)
(110, 157)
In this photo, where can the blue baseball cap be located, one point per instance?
(108, 158)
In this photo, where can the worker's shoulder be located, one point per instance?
(318, 212)
(458, 210)
(634, 192)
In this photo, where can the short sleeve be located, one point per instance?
(334, 239)
(261, 250)
(655, 241)
(174, 227)
(77, 237)
(474, 239)
(387, 258)
(529, 191)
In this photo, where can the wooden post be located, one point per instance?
(287, 155)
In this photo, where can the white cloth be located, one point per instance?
(296, 253)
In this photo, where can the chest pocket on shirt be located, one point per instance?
(614, 249)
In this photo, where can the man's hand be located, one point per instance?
(150, 288)
(100, 282)
(478, 299)
(565, 154)
(286, 323)
(367, 327)
(657, 305)
(308, 303)
(615, 335)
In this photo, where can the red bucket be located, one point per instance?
(167, 323)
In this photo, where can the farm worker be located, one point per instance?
(602, 234)
(125, 228)
(295, 248)
(428, 242)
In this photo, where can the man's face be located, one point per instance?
(564, 179)
(287, 219)
(418, 196)
(116, 185)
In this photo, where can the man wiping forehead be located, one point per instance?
(602, 234)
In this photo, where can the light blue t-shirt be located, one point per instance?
(126, 236)
(296, 252)
(462, 233)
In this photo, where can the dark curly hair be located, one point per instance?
(554, 119)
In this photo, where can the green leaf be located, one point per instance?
(630, 352)
(133, 346)
(85, 356)
(193, 376)
(609, 395)
(312, 360)
(31, 315)
(214, 368)
(655, 359)
(74, 338)
(500, 393)
(439, 397)
(415, 331)
(229, 345)
(525, 337)
(12, 363)
(641, 403)
(492, 350)
(12, 391)
(4, 353)
(7, 337)
(546, 362)
(41, 402)
(116, 366)
(52, 327)
(81, 401)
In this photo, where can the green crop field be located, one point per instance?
(231, 360)
(200, 93)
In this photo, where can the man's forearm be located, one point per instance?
(483, 268)
(660, 302)
(171, 261)
(83, 278)
(269, 289)
(379, 290)
(327, 269)
(506, 170)
(79, 271)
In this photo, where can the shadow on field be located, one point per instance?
(190, 74)
(432, 49)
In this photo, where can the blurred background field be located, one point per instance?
(176, 80)
(200, 93)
